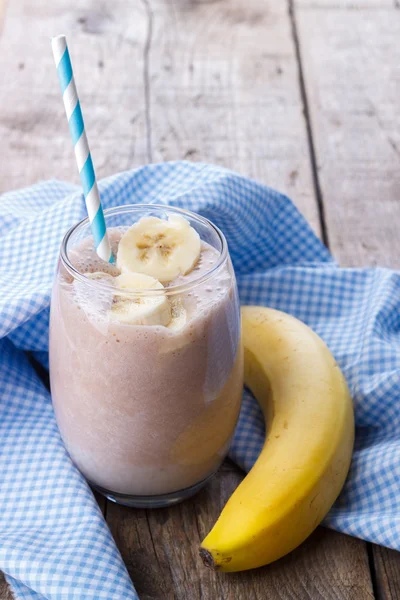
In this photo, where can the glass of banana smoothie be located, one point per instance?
(146, 365)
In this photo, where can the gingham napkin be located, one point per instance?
(54, 542)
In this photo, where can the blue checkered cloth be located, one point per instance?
(54, 542)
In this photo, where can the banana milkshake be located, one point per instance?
(145, 359)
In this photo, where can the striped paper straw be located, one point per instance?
(81, 147)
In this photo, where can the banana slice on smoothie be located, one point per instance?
(140, 310)
(160, 248)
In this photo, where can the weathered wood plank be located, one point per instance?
(351, 64)
(387, 573)
(223, 88)
(239, 106)
(160, 549)
(106, 46)
(5, 592)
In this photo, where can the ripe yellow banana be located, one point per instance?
(307, 451)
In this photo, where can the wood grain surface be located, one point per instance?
(387, 572)
(223, 88)
(158, 80)
(5, 592)
(303, 97)
(351, 62)
(106, 47)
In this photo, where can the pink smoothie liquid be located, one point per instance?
(145, 410)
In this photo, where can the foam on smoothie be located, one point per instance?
(197, 301)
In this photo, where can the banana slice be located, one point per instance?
(159, 248)
(140, 310)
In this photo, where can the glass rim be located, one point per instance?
(171, 290)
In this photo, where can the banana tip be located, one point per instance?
(207, 559)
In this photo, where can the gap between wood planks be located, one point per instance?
(146, 79)
(372, 570)
(316, 182)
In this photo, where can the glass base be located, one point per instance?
(158, 501)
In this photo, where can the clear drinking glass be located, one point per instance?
(147, 412)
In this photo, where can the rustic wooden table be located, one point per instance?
(300, 94)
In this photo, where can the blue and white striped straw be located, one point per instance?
(81, 147)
